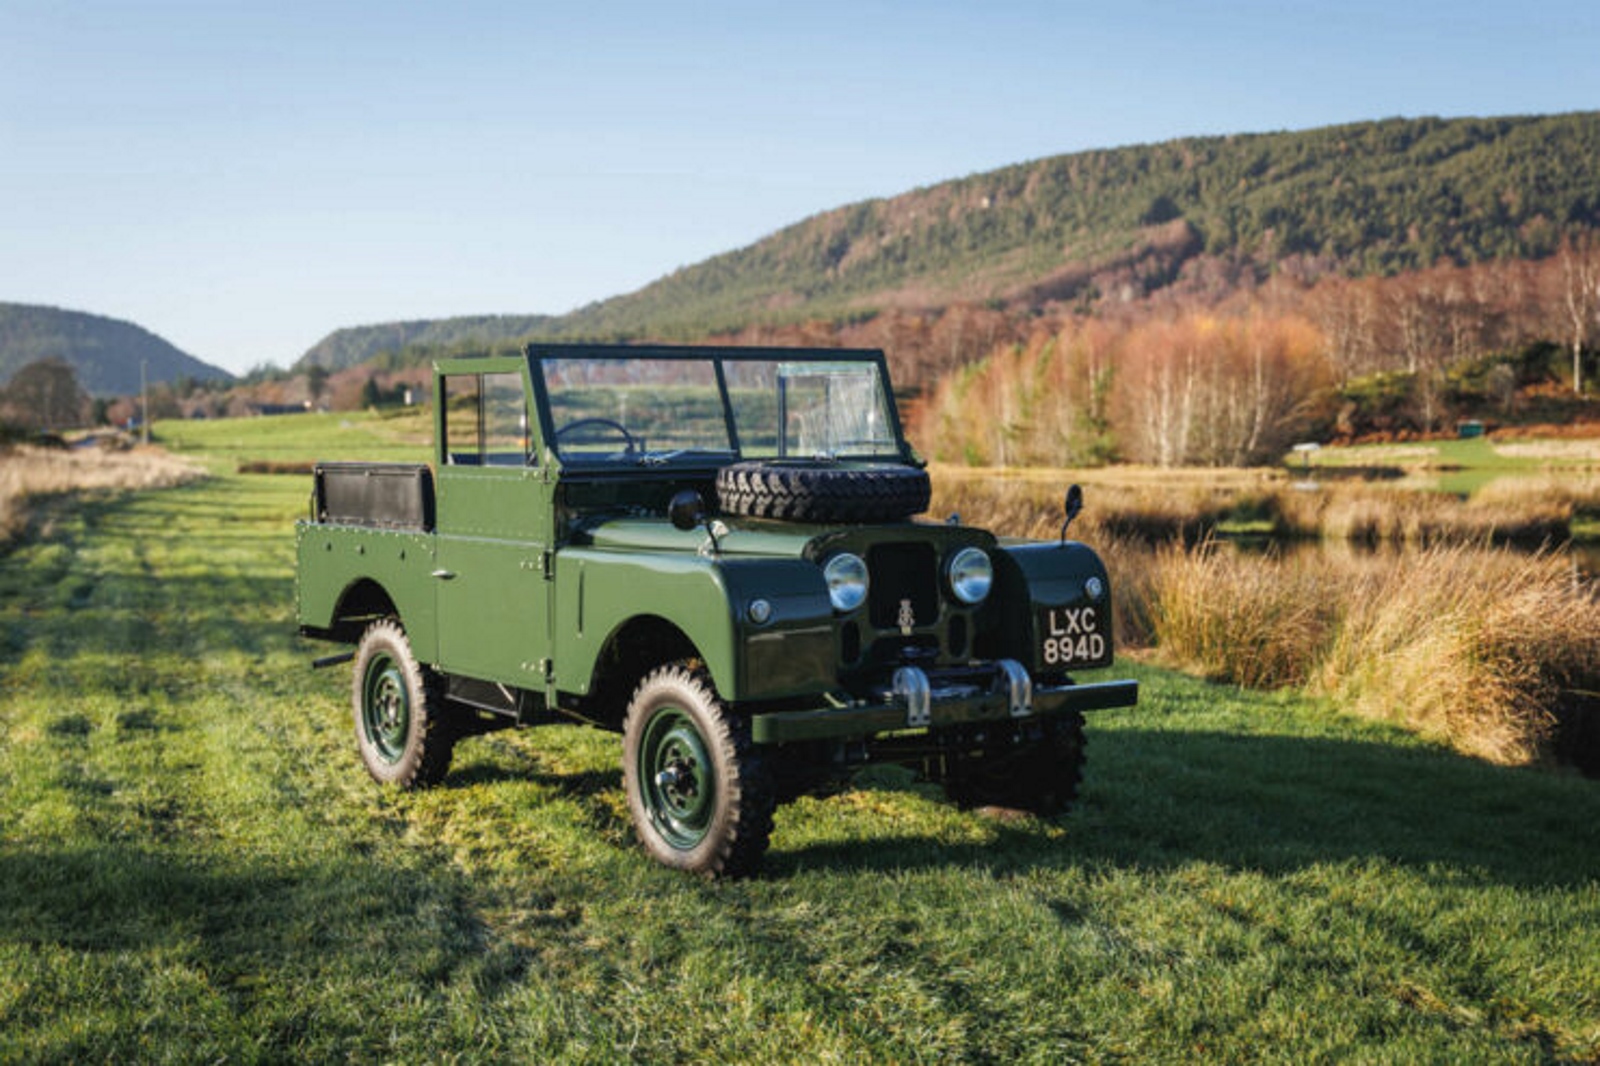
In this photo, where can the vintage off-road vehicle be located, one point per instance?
(711, 551)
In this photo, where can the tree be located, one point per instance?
(316, 381)
(45, 395)
(1580, 276)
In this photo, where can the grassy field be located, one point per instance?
(194, 867)
(1462, 467)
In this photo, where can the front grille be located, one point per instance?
(903, 575)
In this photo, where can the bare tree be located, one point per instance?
(1580, 276)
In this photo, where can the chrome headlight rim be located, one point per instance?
(848, 581)
(970, 575)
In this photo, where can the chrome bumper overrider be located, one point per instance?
(916, 701)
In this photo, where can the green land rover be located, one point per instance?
(711, 551)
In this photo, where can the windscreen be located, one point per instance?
(653, 410)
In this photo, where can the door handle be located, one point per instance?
(444, 575)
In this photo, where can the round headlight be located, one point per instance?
(847, 581)
(971, 574)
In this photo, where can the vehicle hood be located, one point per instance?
(772, 539)
(743, 537)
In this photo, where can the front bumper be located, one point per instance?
(917, 702)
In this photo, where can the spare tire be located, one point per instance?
(814, 490)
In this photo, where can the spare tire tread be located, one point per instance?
(823, 491)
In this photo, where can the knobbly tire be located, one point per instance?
(804, 490)
(1040, 776)
(402, 732)
(700, 797)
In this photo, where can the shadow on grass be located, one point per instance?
(1276, 804)
(238, 920)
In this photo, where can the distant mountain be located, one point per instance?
(357, 344)
(1203, 212)
(106, 352)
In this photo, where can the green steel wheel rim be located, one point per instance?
(677, 780)
(386, 708)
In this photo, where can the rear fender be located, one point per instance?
(340, 571)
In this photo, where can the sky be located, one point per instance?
(243, 178)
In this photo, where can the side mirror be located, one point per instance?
(1074, 505)
(687, 510)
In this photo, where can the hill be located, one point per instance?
(356, 344)
(106, 352)
(1203, 212)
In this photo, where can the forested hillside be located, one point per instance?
(347, 347)
(1199, 216)
(106, 353)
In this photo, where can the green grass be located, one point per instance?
(226, 442)
(194, 867)
(1459, 467)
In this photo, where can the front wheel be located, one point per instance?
(700, 798)
(400, 726)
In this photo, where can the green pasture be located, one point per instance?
(224, 443)
(193, 866)
(1459, 467)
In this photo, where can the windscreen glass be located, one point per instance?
(648, 410)
(805, 410)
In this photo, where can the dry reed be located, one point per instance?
(1467, 644)
(28, 474)
(1254, 621)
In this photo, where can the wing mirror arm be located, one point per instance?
(687, 510)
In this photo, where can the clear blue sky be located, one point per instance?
(244, 177)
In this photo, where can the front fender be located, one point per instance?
(600, 591)
(1030, 579)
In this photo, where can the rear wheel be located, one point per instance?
(1038, 771)
(401, 729)
(700, 798)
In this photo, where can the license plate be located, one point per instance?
(1071, 635)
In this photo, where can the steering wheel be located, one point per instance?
(630, 442)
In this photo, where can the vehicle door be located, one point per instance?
(494, 523)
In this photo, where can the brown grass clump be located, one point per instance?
(276, 466)
(1471, 647)
(1256, 621)
(1140, 503)
(27, 474)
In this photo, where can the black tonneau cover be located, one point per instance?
(378, 495)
